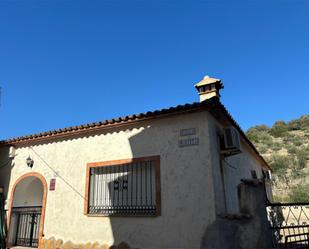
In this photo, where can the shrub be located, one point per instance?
(278, 129)
(292, 149)
(259, 136)
(262, 128)
(276, 147)
(266, 139)
(280, 164)
(295, 173)
(294, 125)
(301, 156)
(299, 124)
(297, 141)
(253, 134)
(304, 122)
(299, 193)
(262, 149)
(288, 137)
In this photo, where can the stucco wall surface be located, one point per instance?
(250, 231)
(187, 192)
(233, 169)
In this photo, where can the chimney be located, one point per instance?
(208, 88)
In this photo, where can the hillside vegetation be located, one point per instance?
(285, 146)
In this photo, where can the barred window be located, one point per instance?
(124, 187)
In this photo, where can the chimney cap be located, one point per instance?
(208, 88)
(207, 81)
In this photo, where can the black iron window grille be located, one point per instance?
(124, 189)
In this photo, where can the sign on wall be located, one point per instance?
(188, 137)
(187, 132)
(52, 184)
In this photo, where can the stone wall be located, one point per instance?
(53, 243)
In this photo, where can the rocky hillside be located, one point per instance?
(285, 146)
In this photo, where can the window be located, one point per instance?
(124, 187)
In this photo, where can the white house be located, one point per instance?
(151, 180)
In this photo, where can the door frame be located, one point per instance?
(44, 183)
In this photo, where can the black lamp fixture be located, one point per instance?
(30, 162)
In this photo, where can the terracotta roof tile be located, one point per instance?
(213, 105)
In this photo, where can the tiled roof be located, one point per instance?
(213, 105)
(105, 123)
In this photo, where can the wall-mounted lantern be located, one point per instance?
(30, 162)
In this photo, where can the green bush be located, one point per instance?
(294, 125)
(280, 164)
(266, 139)
(299, 124)
(301, 156)
(297, 141)
(292, 149)
(259, 136)
(296, 174)
(253, 134)
(262, 128)
(288, 137)
(299, 193)
(262, 148)
(276, 147)
(278, 129)
(304, 122)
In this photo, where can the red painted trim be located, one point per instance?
(44, 183)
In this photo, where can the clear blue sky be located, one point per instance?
(65, 63)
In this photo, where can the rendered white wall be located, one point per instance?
(234, 168)
(186, 184)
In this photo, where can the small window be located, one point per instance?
(124, 187)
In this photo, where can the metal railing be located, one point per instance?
(289, 224)
(123, 189)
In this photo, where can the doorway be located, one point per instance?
(26, 216)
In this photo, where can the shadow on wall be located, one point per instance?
(249, 229)
(132, 191)
(178, 183)
(6, 165)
